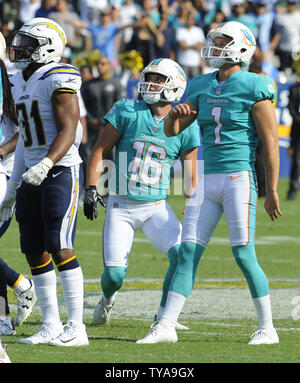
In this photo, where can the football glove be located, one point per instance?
(8, 203)
(36, 174)
(90, 203)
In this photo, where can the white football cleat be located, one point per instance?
(102, 313)
(26, 301)
(45, 334)
(160, 334)
(6, 326)
(178, 326)
(74, 335)
(4, 358)
(264, 336)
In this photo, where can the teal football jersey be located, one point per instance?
(144, 154)
(228, 132)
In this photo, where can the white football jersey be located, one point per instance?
(35, 115)
(9, 129)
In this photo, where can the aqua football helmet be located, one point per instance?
(240, 49)
(173, 88)
(39, 40)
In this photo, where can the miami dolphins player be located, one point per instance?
(46, 175)
(234, 108)
(140, 181)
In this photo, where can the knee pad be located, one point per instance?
(112, 279)
(189, 256)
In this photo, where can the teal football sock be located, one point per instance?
(112, 279)
(173, 258)
(245, 257)
(188, 260)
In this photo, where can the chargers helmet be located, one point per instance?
(2, 47)
(39, 40)
(239, 50)
(173, 88)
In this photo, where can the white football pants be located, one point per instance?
(124, 215)
(235, 194)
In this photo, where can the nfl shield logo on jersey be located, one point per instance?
(218, 91)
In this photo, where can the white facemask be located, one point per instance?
(151, 98)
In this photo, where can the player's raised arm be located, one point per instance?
(179, 118)
(266, 126)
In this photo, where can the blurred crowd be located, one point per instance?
(130, 33)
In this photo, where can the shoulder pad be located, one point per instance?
(61, 69)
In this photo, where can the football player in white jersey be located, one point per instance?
(45, 178)
(138, 192)
(23, 287)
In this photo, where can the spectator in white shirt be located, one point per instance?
(190, 40)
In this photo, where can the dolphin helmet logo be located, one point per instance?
(248, 38)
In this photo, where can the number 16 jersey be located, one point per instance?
(144, 154)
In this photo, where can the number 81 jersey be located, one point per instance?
(144, 154)
(34, 109)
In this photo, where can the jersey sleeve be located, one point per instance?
(264, 89)
(64, 78)
(192, 91)
(120, 115)
(190, 137)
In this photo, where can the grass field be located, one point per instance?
(219, 313)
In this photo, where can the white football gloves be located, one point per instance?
(8, 203)
(37, 173)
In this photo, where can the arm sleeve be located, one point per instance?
(119, 115)
(190, 137)
(264, 89)
(19, 163)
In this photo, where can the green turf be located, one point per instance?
(209, 340)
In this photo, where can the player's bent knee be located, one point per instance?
(114, 276)
(190, 253)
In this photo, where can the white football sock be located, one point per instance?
(264, 312)
(159, 312)
(23, 285)
(72, 286)
(108, 302)
(45, 287)
(173, 308)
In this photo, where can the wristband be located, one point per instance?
(47, 162)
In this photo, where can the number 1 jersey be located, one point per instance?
(228, 132)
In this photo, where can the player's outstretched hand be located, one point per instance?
(181, 111)
(90, 203)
